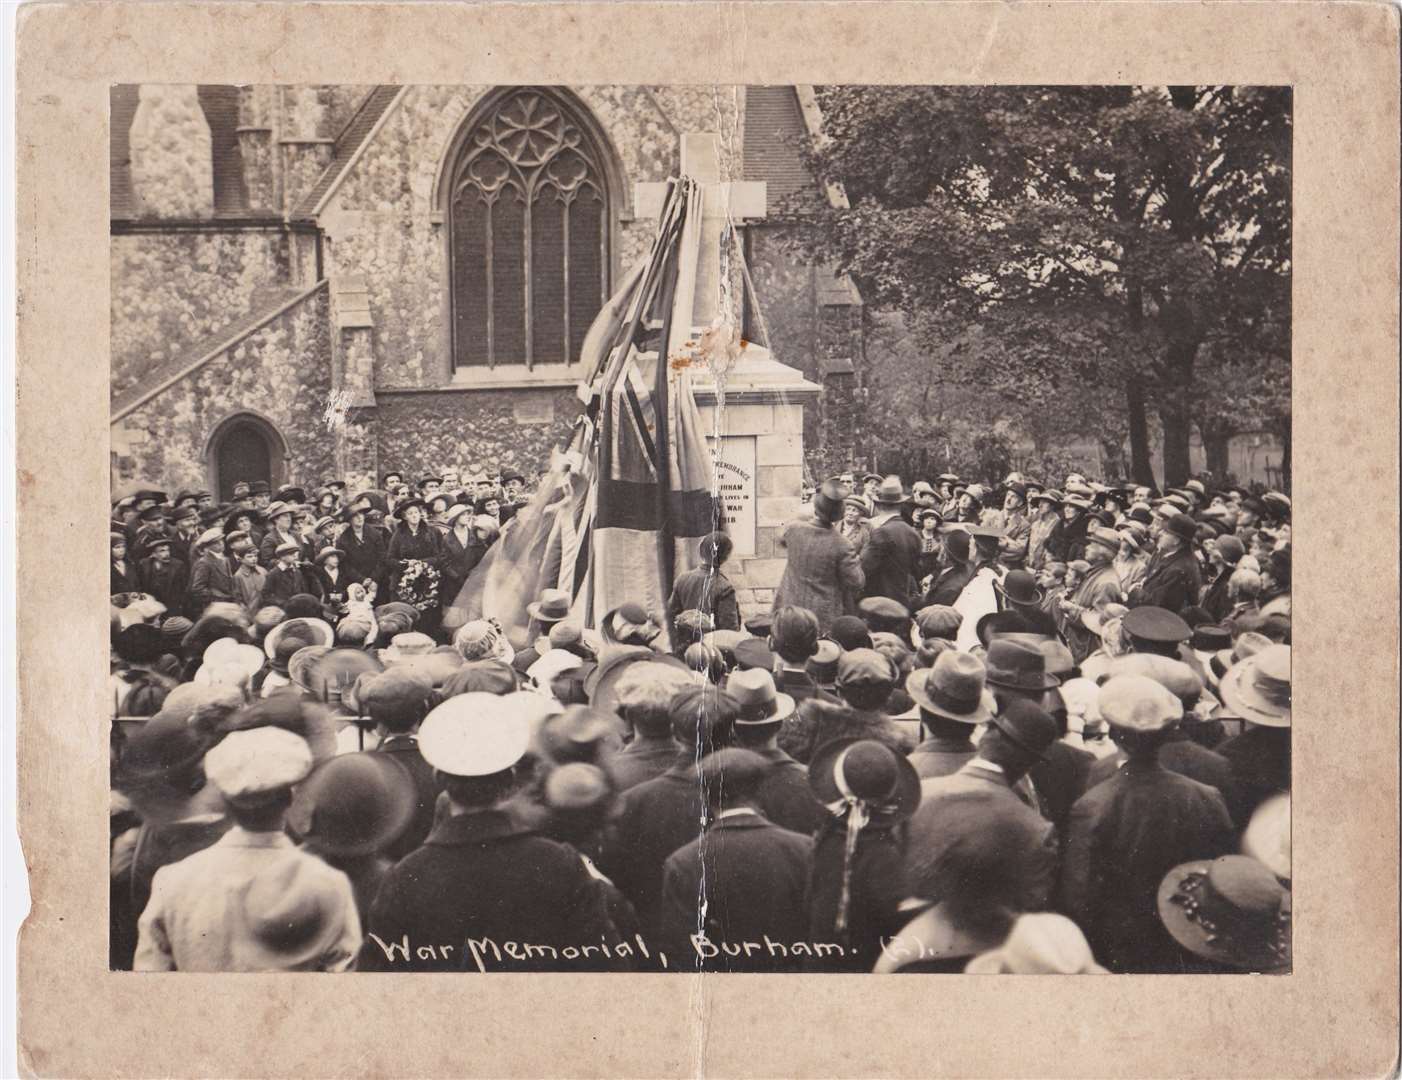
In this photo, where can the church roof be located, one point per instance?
(271, 303)
(774, 131)
(347, 148)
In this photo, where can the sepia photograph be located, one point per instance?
(700, 528)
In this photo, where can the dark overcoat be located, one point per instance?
(481, 876)
(746, 882)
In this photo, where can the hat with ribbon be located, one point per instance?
(757, 699)
(1231, 910)
(953, 688)
(859, 779)
(1257, 689)
(1017, 666)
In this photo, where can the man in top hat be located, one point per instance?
(822, 573)
(1125, 834)
(1172, 580)
(1100, 586)
(658, 816)
(251, 901)
(893, 549)
(761, 710)
(953, 701)
(706, 588)
(746, 879)
(163, 576)
(951, 806)
(482, 874)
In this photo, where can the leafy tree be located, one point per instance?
(1066, 244)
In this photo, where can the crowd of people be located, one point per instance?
(1011, 728)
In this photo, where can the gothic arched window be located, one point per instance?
(527, 234)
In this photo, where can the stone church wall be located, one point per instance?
(172, 289)
(382, 226)
(281, 372)
(477, 431)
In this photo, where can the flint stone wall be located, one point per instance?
(281, 372)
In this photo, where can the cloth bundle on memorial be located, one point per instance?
(621, 511)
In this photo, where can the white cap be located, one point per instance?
(236, 661)
(1267, 835)
(249, 764)
(476, 734)
(1138, 703)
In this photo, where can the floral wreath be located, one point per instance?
(418, 585)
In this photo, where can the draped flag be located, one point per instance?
(621, 510)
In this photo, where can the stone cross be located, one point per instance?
(744, 200)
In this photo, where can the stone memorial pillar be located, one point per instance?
(756, 436)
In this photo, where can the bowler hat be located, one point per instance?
(865, 770)
(1231, 910)
(353, 804)
(1181, 525)
(1027, 726)
(756, 699)
(1020, 587)
(1016, 666)
(953, 688)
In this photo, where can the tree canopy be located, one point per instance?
(1121, 249)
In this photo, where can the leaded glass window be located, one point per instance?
(528, 234)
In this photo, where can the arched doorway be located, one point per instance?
(244, 447)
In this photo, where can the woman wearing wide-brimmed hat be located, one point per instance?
(1257, 690)
(1230, 915)
(416, 555)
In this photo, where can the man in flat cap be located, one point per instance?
(483, 880)
(1125, 834)
(1173, 580)
(251, 901)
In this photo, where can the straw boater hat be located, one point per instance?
(313, 631)
(1231, 910)
(1257, 689)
